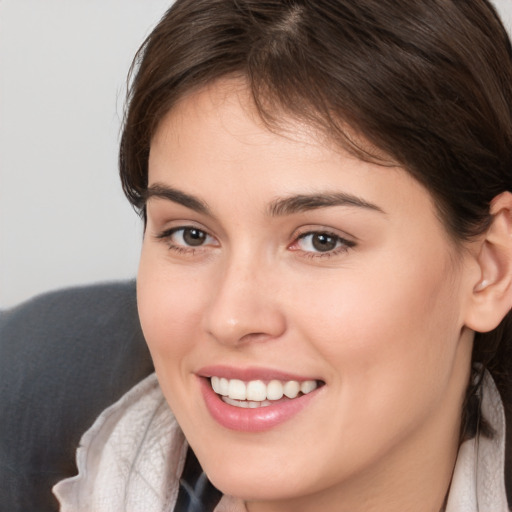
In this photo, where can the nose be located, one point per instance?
(244, 305)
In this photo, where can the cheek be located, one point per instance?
(169, 308)
(390, 340)
(394, 324)
(170, 312)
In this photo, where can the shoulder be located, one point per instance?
(64, 357)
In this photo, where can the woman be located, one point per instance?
(326, 271)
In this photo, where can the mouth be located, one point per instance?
(255, 400)
(254, 394)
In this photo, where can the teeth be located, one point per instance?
(223, 386)
(275, 390)
(255, 392)
(245, 404)
(215, 382)
(237, 390)
(292, 388)
(307, 386)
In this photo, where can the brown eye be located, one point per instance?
(187, 237)
(194, 237)
(324, 242)
(321, 243)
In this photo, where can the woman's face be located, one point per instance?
(273, 263)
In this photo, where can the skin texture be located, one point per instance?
(381, 320)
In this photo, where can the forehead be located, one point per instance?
(227, 107)
(234, 94)
(214, 142)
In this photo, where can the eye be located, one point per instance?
(187, 237)
(190, 236)
(321, 243)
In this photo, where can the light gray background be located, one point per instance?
(63, 64)
(63, 217)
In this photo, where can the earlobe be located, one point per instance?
(491, 296)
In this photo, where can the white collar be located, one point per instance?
(478, 482)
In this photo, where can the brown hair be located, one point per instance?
(428, 82)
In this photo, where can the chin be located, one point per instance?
(251, 487)
(252, 479)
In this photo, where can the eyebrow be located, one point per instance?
(279, 207)
(304, 202)
(176, 196)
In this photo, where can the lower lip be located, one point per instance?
(252, 420)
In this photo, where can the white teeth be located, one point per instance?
(291, 389)
(255, 392)
(215, 384)
(245, 404)
(223, 386)
(275, 390)
(237, 403)
(307, 386)
(237, 390)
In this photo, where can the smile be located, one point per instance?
(257, 393)
(255, 400)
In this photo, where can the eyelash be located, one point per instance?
(181, 249)
(344, 244)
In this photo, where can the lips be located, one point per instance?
(239, 401)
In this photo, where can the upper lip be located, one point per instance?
(251, 373)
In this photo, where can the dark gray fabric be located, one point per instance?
(196, 493)
(64, 357)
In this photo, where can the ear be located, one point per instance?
(491, 297)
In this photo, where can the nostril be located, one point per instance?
(255, 337)
(240, 313)
(253, 325)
